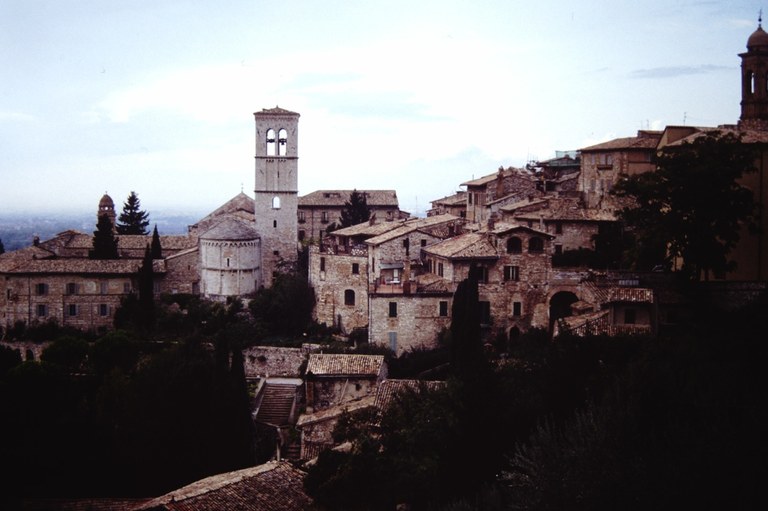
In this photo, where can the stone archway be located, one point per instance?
(560, 306)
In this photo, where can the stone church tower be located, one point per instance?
(276, 188)
(754, 81)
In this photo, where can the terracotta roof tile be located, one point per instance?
(389, 389)
(337, 198)
(344, 365)
(466, 246)
(273, 486)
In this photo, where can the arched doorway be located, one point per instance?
(560, 306)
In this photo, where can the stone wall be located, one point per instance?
(272, 361)
(333, 285)
(325, 392)
(417, 322)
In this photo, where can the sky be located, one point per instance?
(158, 96)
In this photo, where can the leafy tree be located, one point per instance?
(356, 209)
(156, 248)
(104, 241)
(692, 206)
(132, 220)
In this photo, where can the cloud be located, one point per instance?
(16, 117)
(676, 71)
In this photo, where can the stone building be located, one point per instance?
(334, 379)
(230, 260)
(322, 208)
(602, 164)
(519, 183)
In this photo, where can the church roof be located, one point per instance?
(758, 39)
(231, 230)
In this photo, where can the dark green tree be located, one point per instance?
(2, 247)
(356, 209)
(147, 290)
(466, 346)
(692, 208)
(156, 248)
(104, 241)
(132, 220)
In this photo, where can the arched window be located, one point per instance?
(514, 245)
(349, 297)
(535, 245)
(275, 202)
(270, 142)
(282, 143)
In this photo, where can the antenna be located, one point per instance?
(760, 18)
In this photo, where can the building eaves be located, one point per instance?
(411, 225)
(617, 144)
(82, 266)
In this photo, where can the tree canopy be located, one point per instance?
(693, 206)
(104, 241)
(132, 220)
(356, 209)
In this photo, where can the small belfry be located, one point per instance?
(276, 188)
(754, 80)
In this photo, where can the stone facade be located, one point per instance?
(340, 281)
(406, 322)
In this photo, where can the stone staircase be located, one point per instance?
(276, 404)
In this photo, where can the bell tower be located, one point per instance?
(754, 81)
(276, 189)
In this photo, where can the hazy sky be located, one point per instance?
(158, 96)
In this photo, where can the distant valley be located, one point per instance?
(18, 230)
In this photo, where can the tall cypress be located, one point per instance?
(156, 248)
(104, 241)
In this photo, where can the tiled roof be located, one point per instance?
(644, 142)
(79, 240)
(411, 225)
(240, 203)
(389, 389)
(366, 229)
(344, 365)
(471, 245)
(457, 198)
(273, 486)
(624, 294)
(748, 136)
(337, 198)
(557, 208)
(335, 411)
(492, 177)
(230, 229)
(78, 265)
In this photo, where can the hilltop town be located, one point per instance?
(538, 243)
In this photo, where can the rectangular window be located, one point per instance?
(71, 288)
(324, 217)
(517, 308)
(558, 228)
(302, 218)
(42, 310)
(392, 309)
(126, 287)
(511, 273)
(558, 249)
(322, 264)
(485, 313)
(103, 309)
(355, 268)
(302, 234)
(443, 308)
(440, 269)
(629, 316)
(104, 287)
(423, 243)
(72, 309)
(41, 289)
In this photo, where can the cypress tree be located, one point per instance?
(147, 290)
(156, 248)
(104, 241)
